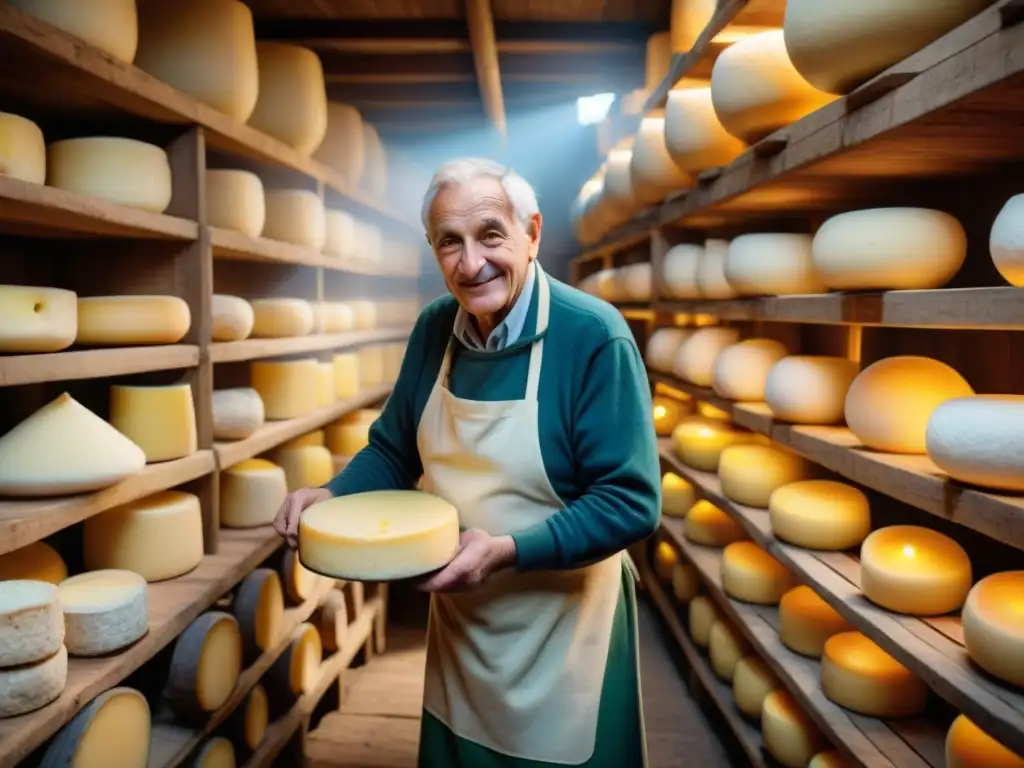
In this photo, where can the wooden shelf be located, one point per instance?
(931, 647)
(253, 349)
(276, 738)
(273, 433)
(25, 521)
(16, 370)
(173, 605)
(636, 231)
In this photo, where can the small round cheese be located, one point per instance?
(711, 282)
(790, 736)
(708, 525)
(806, 621)
(111, 26)
(809, 389)
(233, 318)
(820, 514)
(104, 611)
(696, 358)
(725, 648)
(686, 582)
(251, 493)
(1006, 241)
(292, 98)
(22, 149)
(280, 318)
(667, 411)
(123, 171)
(235, 201)
(993, 625)
(653, 173)
(637, 281)
(679, 271)
(750, 574)
(772, 264)
(858, 675)
(253, 718)
(740, 371)
(32, 686)
(967, 746)
(131, 320)
(699, 442)
(829, 759)
(752, 681)
(914, 570)
(694, 137)
(343, 148)
(288, 388)
(890, 402)
(160, 420)
(751, 473)
(36, 319)
(237, 413)
(114, 730)
(310, 466)
(663, 346)
(702, 615)
(217, 752)
(677, 495)
(37, 561)
(665, 559)
(295, 216)
(31, 624)
(976, 440)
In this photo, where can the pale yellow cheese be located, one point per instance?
(695, 361)
(714, 413)
(27, 688)
(237, 413)
(348, 435)
(65, 448)
(618, 182)
(365, 312)
(976, 440)
(725, 648)
(251, 493)
(750, 574)
(306, 467)
(36, 319)
(806, 621)
(299, 581)
(752, 681)
(379, 536)
(123, 171)
(371, 366)
(316, 437)
(993, 625)
(914, 570)
(820, 514)
(259, 609)
(295, 216)
(809, 389)
(160, 420)
(104, 611)
(325, 384)
(292, 102)
(741, 370)
(772, 264)
(663, 346)
(667, 411)
(699, 442)
(711, 282)
(703, 614)
(257, 716)
(288, 388)
(677, 495)
(858, 675)
(31, 623)
(790, 736)
(751, 473)
(22, 149)
(1006, 241)
(129, 320)
(305, 658)
(37, 561)
(637, 281)
(967, 746)
(159, 537)
(111, 26)
(219, 664)
(666, 557)
(653, 173)
(342, 148)
(695, 139)
(217, 752)
(686, 582)
(235, 200)
(338, 317)
(679, 272)
(339, 233)
(278, 318)
(706, 524)
(119, 716)
(233, 318)
(346, 375)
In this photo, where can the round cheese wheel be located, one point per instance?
(250, 720)
(809, 389)
(351, 433)
(772, 264)
(29, 687)
(340, 234)
(279, 318)
(1006, 241)
(702, 615)
(31, 622)
(677, 495)
(237, 413)
(752, 681)
(217, 752)
(694, 137)
(974, 440)
(295, 216)
(699, 442)
(726, 646)
(740, 371)
(205, 666)
(104, 611)
(343, 148)
(160, 420)
(714, 413)
(122, 171)
(22, 149)
(259, 609)
(233, 318)
(993, 625)
(288, 388)
(871, 35)
(235, 201)
(112, 26)
(889, 249)
(858, 675)
(890, 402)
(679, 271)
(37, 561)
(829, 759)
(706, 524)
(666, 557)
(820, 514)
(790, 736)
(750, 574)
(711, 282)
(114, 730)
(689, 18)
(914, 570)
(967, 746)
(667, 412)
(686, 582)
(292, 101)
(637, 281)
(365, 314)
(750, 473)
(663, 346)
(806, 621)
(653, 173)
(36, 319)
(695, 360)
(308, 466)
(131, 320)
(251, 493)
(756, 89)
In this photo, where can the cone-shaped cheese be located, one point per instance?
(37, 561)
(695, 139)
(111, 26)
(708, 525)
(820, 514)
(233, 318)
(741, 371)
(666, 557)
(123, 171)
(679, 271)
(1006, 241)
(375, 170)
(663, 346)
(342, 149)
(976, 440)
(967, 746)
(292, 101)
(235, 200)
(772, 264)
(129, 320)
(790, 736)
(696, 358)
(752, 681)
(806, 621)
(858, 675)
(251, 493)
(750, 574)
(677, 495)
(65, 448)
(711, 282)
(36, 319)
(653, 173)
(807, 389)
(667, 412)
(993, 624)
(751, 473)
(22, 149)
(160, 420)
(703, 614)
(295, 216)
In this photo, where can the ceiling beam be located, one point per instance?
(480, 20)
(513, 92)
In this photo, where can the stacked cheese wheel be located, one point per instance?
(33, 658)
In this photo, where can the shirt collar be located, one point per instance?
(508, 330)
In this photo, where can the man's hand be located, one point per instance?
(480, 555)
(286, 523)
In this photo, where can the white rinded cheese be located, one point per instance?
(887, 249)
(342, 148)
(750, 574)
(111, 26)
(235, 201)
(679, 271)
(993, 630)
(65, 448)
(371, 366)
(160, 420)
(299, 582)
(350, 434)
(340, 234)
(1006, 241)
(967, 746)
(123, 171)
(740, 371)
(663, 346)
(689, 18)
(346, 375)
(695, 360)
(205, 666)
(279, 318)
(790, 736)
(695, 139)
(726, 646)
(37, 561)
(22, 149)
(237, 413)
(806, 621)
(711, 282)
(820, 514)
(259, 609)
(308, 466)
(749, 474)
(709, 526)
(379, 536)
(31, 623)
(217, 752)
(772, 264)
(292, 102)
(752, 681)
(860, 676)
(287, 387)
(36, 319)
(233, 318)
(251, 493)
(653, 173)
(205, 48)
(976, 440)
(295, 216)
(159, 537)
(375, 169)
(32, 686)
(119, 716)
(130, 320)
(807, 389)
(702, 614)
(104, 611)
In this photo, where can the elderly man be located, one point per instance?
(524, 403)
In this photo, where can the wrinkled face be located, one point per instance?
(484, 253)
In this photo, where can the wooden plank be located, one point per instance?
(276, 738)
(358, 635)
(254, 349)
(364, 741)
(480, 21)
(16, 370)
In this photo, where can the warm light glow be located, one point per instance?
(593, 109)
(733, 33)
(659, 411)
(908, 551)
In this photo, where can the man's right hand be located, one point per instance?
(286, 523)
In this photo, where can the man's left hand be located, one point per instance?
(480, 555)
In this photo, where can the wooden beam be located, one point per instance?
(480, 19)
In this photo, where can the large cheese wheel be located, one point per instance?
(808, 389)
(278, 318)
(677, 495)
(820, 514)
(756, 90)
(1006, 241)
(340, 238)
(36, 319)
(379, 536)
(65, 448)
(22, 149)
(663, 346)
(375, 170)
(679, 271)
(251, 493)
(699, 442)
(752, 681)
(750, 574)
(667, 411)
(325, 385)
(292, 101)
(751, 473)
(702, 615)
(248, 723)
(975, 440)
(217, 752)
(653, 173)
(205, 48)
(637, 281)
(858, 675)
(233, 318)
(205, 665)
(371, 366)
(708, 525)
(890, 402)
(237, 413)
(806, 621)
(288, 388)
(310, 466)
(872, 35)
(967, 746)
(300, 583)
(104, 611)
(123, 171)
(772, 264)
(689, 18)
(295, 216)
(711, 282)
(235, 200)
(790, 736)
(296, 670)
(914, 570)
(29, 687)
(365, 313)
(337, 316)
(37, 561)
(112, 26)
(112, 731)
(686, 582)
(726, 646)
(740, 371)
(666, 557)
(993, 625)
(695, 360)
(889, 249)
(159, 537)
(160, 420)
(342, 149)
(695, 139)
(259, 609)
(31, 623)
(130, 320)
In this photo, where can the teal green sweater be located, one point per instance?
(596, 428)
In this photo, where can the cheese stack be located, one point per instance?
(33, 659)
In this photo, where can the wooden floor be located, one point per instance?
(378, 725)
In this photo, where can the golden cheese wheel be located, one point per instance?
(677, 495)
(752, 575)
(993, 625)
(667, 412)
(652, 171)
(751, 473)
(806, 621)
(820, 514)
(967, 746)
(694, 137)
(708, 525)
(666, 557)
(858, 675)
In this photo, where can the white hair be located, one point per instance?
(521, 195)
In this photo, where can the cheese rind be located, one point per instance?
(677, 495)
(22, 149)
(233, 318)
(160, 420)
(36, 319)
(667, 411)
(237, 413)
(751, 473)
(118, 716)
(993, 625)
(32, 686)
(104, 611)
(741, 370)
(235, 201)
(288, 388)
(295, 216)
(653, 173)
(858, 675)
(702, 615)
(1006, 241)
(976, 440)
(259, 609)
(967, 746)
(820, 514)
(252, 718)
(292, 98)
(694, 137)
(279, 318)
(808, 389)
(251, 493)
(37, 561)
(130, 320)
(750, 574)
(205, 665)
(706, 524)
(31, 624)
(299, 581)
(772, 264)
(752, 681)
(123, 171)
(790, 736)
(725, 649)
(304, 659)
(806, 621)
(112, 27)
(696, 358)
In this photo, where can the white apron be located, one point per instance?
(518, 664)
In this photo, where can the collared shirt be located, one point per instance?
(507, 331)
